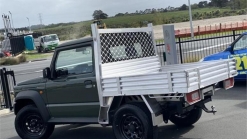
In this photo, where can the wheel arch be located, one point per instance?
(31, 97)
(151, 104)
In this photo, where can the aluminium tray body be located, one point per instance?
(142, 78)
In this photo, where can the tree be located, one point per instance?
(154, 10)
(119, 14)
(202, 4)
(219, 3)
(194, 6)
(183, 7)
(238, 4)
(98, 14)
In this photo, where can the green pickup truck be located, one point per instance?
(115, 79)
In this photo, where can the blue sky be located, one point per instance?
(57, 11)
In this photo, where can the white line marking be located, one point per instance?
(208, 47)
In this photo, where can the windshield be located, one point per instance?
(50, 38)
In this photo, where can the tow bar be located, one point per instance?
(202, 105)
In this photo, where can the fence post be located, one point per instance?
(180, 50)
(199, 30)
(234, 35)
(220, 27)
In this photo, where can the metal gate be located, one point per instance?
(7, 83)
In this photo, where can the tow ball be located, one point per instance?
(213, 110)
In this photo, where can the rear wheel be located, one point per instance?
(30, 125)
(133, 122)
(188, 118)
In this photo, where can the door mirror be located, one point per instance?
(47, 73)
(229, 49)
(62, 72)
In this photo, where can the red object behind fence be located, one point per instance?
(212, 29)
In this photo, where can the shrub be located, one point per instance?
(13, 60)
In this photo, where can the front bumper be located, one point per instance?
(51, 47)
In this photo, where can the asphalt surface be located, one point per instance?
(228, 123)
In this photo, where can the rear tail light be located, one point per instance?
(193, 97)
(229, 83)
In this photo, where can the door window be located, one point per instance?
(75, 61)
(241, 43)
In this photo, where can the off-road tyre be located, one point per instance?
(186, 119)
(30, 125)
(133, 121)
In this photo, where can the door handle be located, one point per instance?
(88, 84)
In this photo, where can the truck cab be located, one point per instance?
(47, 43)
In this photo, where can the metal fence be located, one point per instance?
(7, 82)
(192, 50)
(17, 45)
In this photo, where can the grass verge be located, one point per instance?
(26, 56)
(30, 56)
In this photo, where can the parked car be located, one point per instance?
(237, 50)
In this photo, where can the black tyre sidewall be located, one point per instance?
(193, 117)
(39, 50)
(139, 113)
(19, 118)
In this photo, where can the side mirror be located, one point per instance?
(47, 73)
(62, 72)
(229, 49)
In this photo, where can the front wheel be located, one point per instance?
(188, 118)
(30, 125)
(133, 122)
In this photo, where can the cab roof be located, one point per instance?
(78, 41)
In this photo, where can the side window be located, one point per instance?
(241, 43)
(76, 61)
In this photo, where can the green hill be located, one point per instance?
(73, 30)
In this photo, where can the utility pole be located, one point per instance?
(29, 25)
(191, 25)
(12, 21)
(4, 23)
(40, 19)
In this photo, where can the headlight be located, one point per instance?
(201, 60)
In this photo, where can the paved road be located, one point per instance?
(229, 122)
